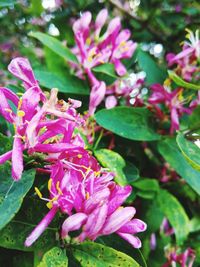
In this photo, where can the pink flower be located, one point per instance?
(185, 259)
(93, 49)
(88, 194)
(33, 128)
(171, 99)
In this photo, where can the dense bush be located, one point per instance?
(100, 133)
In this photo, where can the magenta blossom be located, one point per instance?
(173, 100)
(93, 49)
(185, 259)
(34, 131)
(92, 200)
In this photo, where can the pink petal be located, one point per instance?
(119, 67)
(100, 21)
(5, 157)
(73, 223)
(5, 108)
(21, 68)
(17, 158)
(133, 240)
(53, 148)
(96, 221)
(133, 227)
(118, 195)
(39, 229)
(117, 219)
(111, 101)
(96, 96)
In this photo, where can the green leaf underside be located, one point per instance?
(91, 254)
(175, 213)
(171, 153)
(190, 151)
(55, 257)
(11, 195)
(68, 84)
(113, 161)
(131, 123)
(154, 74)
(181, 82)
(55, 45)
(107, 69)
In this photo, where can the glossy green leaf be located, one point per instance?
(7, 3)
(12, 193)
(107, 69)
(146, 188)
(96, 255)
(181, 82)
(53, 258)
(131, 123)
(190, 151)
(175, 213)
(14, 234)
(154, 73)
(171, 153)
(55, 45)
(114, 162)
(194, 224)
(68, 84)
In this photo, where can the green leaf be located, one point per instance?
(154, 74)
(175, 213)
(146, 188)
(171, 153)
(55, 45)
(12, 193)
(147, 184)
(131, 172)
(7, 3)
(6, 143)
(190, 151)
(14, 234)
(53, 258)
(96, 255)
(194, 224)
(107, 69)
(131, 123)
(113, 161)
(68, 84)
(181, 82)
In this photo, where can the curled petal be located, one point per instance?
(5, 109)
(17, 158)
(39, 229)
(5, 157)
(100, 21)
(117, 219)
(133, 227)
(73, 223)
(133, 240)
(96, 96)
(96, 221)
(119, 67)
(53, 148)
(21, 68)
(111, 101)
(118, 195)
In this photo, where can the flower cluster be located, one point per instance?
(185, 259)
(187, 60)
(93, 49)
(78, 186)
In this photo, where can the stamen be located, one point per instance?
(37, 191)
(58, 188)
(8, 110)
(20, 113)
(50, 184)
